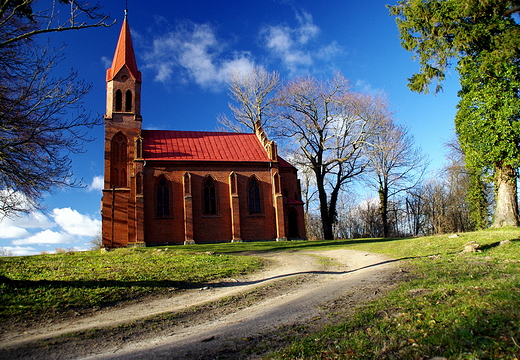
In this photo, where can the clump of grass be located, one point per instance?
(47, 284)
(454, 305)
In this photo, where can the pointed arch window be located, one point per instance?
(139, 147)
(119, 100)
(254, 196)
(210, 197)
(128, 101)
(118, 161)
(163, 197)
(139, 183)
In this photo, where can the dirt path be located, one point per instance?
(256, 315)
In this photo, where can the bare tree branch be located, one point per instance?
(329, 125)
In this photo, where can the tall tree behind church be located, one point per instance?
(483, 38)
(329, 126)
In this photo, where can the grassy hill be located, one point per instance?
(454, 304)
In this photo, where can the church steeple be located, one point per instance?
(124, 80)
(122, 202)
(124, 55)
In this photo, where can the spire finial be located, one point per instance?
(126, 9)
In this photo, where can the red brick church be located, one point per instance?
(183, 187)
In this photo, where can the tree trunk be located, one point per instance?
(506, 208)
(383, 208)
(327, 220)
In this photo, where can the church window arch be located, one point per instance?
(276, 181)
(210, 196)
(254, 196)
(128, 101)
(139, 147)
(139, 183)
(118, 161)
(119, 100)
(163, 196)
(122, 177)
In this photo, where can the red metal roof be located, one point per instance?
(124, 55)
(284, 164)
(201, 146)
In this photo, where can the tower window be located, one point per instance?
(254, 197)
(163, 198)
(128, 101)
(118, 161)
(119, 100)
(210, 197)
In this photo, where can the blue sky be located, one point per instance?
(185, 50)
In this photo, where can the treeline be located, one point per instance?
(439, 204)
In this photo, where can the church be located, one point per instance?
(164, 187)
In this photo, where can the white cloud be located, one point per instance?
(11, 232)
(307, 30)
(107, 63)
(195, 49)
(46, 237)
(365, 87)
(329, 51)
(75, 223)
(13, 199)
(97, 183)
(39, 230)
(16, 227)
(19, 250)
(292, 44)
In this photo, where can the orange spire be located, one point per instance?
(124, 55)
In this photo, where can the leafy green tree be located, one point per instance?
(483, 39)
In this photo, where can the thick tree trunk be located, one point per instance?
(383, 208)
(326, 221)
(506, 208)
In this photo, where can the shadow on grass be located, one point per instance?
(312, 272)
(269, 246)
(95, 284)
(328, 243)
(218, 248)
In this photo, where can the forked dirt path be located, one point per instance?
(297, 288)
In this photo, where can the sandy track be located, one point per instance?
(360, 276)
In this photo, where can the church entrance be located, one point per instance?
(292, 218)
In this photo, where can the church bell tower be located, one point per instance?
(122, 199)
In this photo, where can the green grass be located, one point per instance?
(452, 304)
(44, 285)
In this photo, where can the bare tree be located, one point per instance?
(5, 252)
(252, 93)
(439, 205)
(365, 220)
(329, 125)
(396, 164)
(42, 119)
(96, 242)
(61, 15)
